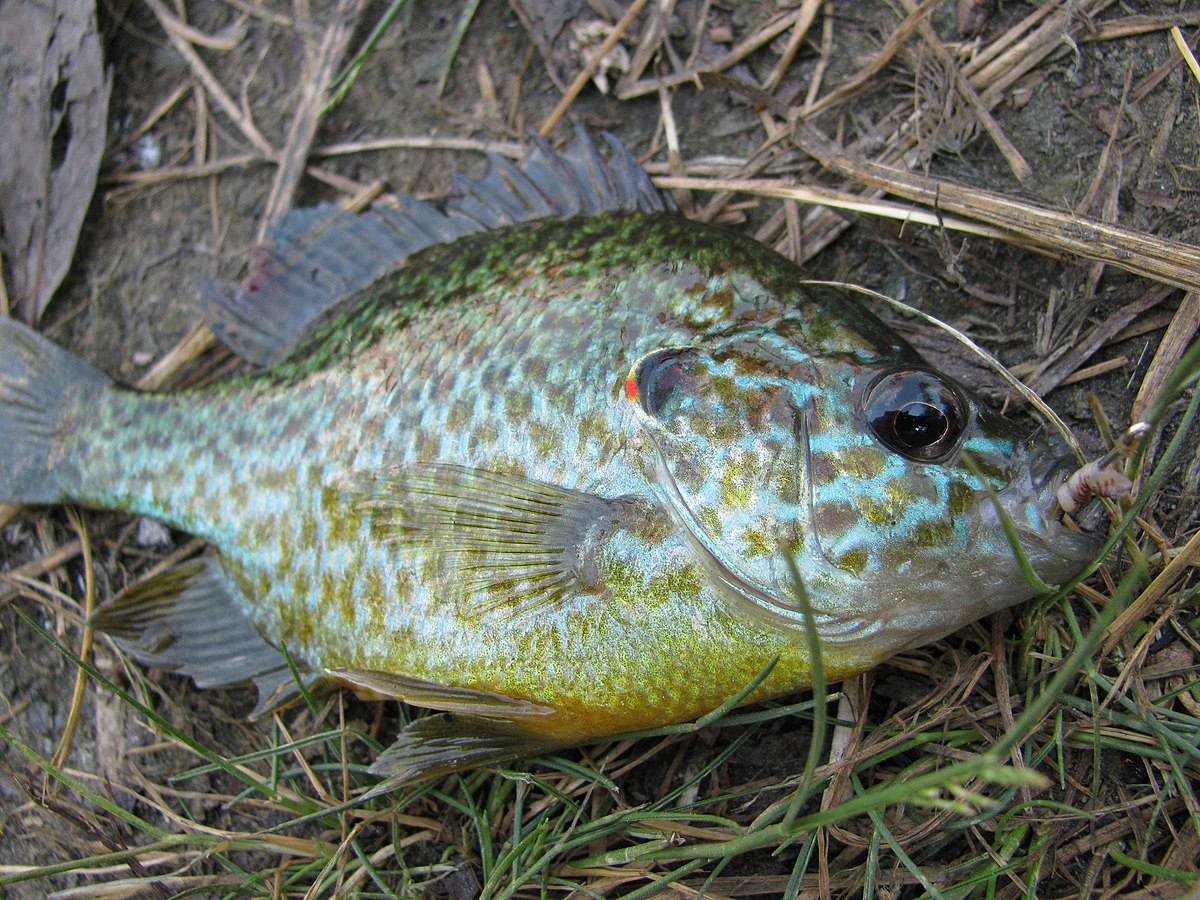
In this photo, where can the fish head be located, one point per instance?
(856, 484)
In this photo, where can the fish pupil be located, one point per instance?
(667, 379)
(919, 425)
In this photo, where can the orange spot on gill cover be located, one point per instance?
(631, 388)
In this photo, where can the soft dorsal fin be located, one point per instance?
(316, 257)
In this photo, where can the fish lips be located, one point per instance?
(1030, 501)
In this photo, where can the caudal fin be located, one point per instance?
(38, 380)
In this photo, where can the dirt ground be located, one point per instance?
(155, 231)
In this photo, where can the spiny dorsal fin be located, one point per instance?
(513, 545)
(317, 257)
(577, 181)
(189, 619)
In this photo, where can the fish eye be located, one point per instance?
(916, 414)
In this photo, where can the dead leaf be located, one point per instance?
(53, 105)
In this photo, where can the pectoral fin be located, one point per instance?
(190, 619)
(516, 545)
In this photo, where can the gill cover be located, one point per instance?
(727, 426)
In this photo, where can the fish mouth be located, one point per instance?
(1031, 503)
(1046, 477)
(1048, 472)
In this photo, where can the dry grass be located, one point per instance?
(1051, 753)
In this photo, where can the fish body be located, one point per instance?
(563, 478)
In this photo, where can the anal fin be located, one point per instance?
(190, 620)
(443, 744)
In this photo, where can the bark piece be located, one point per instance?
(53, 106)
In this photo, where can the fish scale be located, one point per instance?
(561, 478)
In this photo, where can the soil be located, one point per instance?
(132, 292)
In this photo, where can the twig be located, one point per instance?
(320, 65)
(1109, 211)
(1162, 135)
(1148, 83)
(1016, 162)
(511, 149)
(769, 187)
(1174, 343)
(188, 349)
(1100, 368)
(200, 127)
(1025, 45)
(5, 307)
(1082, 351)
(896, 40)
(763, 36)
(808, 14)
(173, 27)
(652, 36)
(993, 79)
(590, 69)
(63, 750)
(1102, 166)
(229, 38)
(1172, 262)
(183, 173)
(1155, 591)
(155, 114)
(818, 74)
(258, 11)
(340, 183)
(1004, 43)
(37, 567)
(1185, 51)
(1131, 26)
(465, 16)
